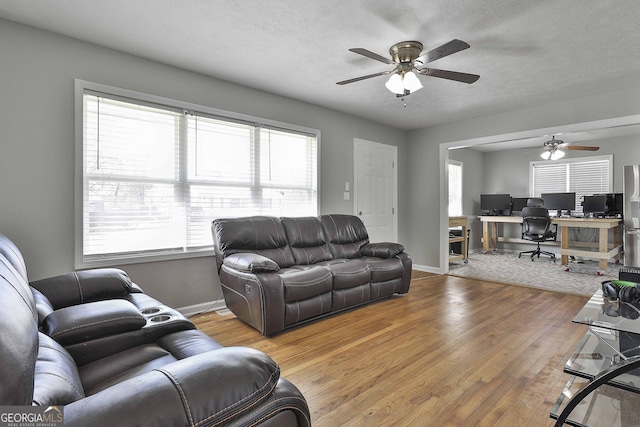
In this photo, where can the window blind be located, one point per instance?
(455, 188)
(155, 176)
(584, 176)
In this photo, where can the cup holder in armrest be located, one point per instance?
(160, 318)
(150, 310)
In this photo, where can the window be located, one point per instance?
(455, 188)
(154, 174)
(584, 176)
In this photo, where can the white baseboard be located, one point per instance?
(202, 307)
(427, 269)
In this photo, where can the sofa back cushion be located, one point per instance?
(263, 235)
(306, 240)
(18, 337)
(14, 256)
(345, 234)
(57, 381)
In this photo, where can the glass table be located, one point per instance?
(604, 388)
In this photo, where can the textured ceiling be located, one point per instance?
(526, 52)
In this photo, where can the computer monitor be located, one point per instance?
(517, 203)
(559, 201)
(496, 204)
(595, 205)
(614, 204)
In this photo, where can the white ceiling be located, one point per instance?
(527, 52)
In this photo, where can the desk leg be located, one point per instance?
(485, 237)
(494, 235)
(564, 244)
(604, 247)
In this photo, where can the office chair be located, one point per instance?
(536, 226)
(535, 202)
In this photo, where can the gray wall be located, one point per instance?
(37, 72)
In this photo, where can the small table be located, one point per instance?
(604, 368)
(459, 221)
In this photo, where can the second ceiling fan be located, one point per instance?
(406, 57)
(552, 148)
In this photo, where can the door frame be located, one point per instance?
(358, 142)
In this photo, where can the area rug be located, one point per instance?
(583, 277)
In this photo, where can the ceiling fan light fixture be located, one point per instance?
(395, 84)
(557, 155)
(411, 82)
(545, 155)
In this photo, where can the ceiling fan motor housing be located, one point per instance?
(406, 52)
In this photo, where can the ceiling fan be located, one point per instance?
(406, 57)
(552, 148)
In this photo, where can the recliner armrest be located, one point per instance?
(85, 286)
(85, 322)
(382, 250)
(212, 388)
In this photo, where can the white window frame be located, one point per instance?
(81, 87)
(459, 200)
(567, 185)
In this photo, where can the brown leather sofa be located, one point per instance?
(111, 355)
(277, 273)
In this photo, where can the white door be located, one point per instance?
(375, 199)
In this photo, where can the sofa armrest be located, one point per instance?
(86, 322)
(381, 250)
(212, 388)
(251, 263)
(85, 286)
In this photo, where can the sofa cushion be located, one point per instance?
(384, 269)
(301, 284)
(349, 273)
(18, 337)
(249, 262)
(346, 234)
(262, 235)
(56, 381)
(306, 240)
(93, 320)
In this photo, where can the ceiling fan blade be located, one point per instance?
(580, 147)
(450, 75)
(371, 55)
(357, 79)
(446, 49)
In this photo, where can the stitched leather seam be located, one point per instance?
(65, 354)
(94, 323)
(256, 402)
(176, 383)
(281, 409)
(79, 286)
(18, 292)
(241, 401)
(308, 282)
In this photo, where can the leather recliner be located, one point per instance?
(96, 344)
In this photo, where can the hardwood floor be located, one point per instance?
(451, 352)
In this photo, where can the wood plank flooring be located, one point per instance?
(451, 352)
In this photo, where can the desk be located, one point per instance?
(604, 225)
(604, 253)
